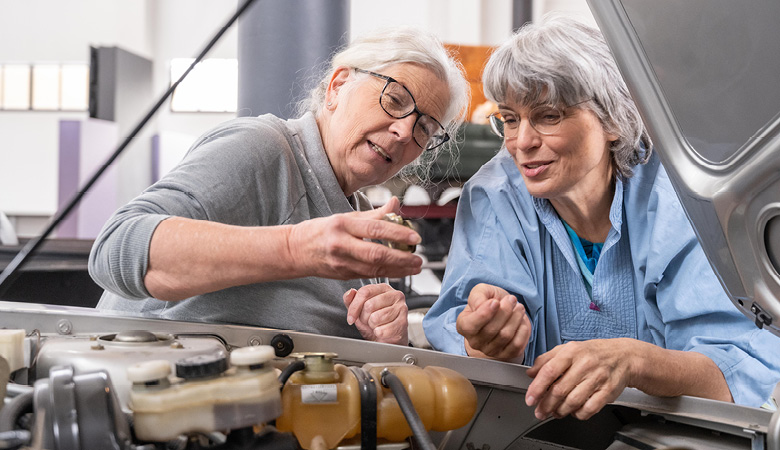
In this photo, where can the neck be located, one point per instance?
(322, 119)
(588, 214)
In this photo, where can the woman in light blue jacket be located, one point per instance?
(572, 253)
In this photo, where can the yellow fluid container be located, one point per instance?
(443, 398)
(316, 407)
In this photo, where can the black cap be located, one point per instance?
(201, 366)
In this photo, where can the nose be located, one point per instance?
(403, 129)
(526, 138)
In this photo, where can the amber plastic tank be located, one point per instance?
(322, 400)
(313, 407)
(443, 398)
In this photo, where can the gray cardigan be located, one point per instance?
(248, 172)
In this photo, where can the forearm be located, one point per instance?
(190, 257)
(668, 373)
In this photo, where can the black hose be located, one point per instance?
(390, 380)
(368, 408)
(11, 271)
(19, 405)
(291, 369)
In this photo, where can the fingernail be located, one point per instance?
(539, 415)
(415, 238)
(530, 400)
(350, 320)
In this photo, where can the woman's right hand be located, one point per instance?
(336, 246)
(494, 324)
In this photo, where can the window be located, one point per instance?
(44, 87)
(16, 86)
(212, 86)
(75, 87)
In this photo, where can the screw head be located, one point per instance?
(64, 326)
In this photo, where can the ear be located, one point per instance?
(337, 80)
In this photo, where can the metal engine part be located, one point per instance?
(114, 352)
(79, 412)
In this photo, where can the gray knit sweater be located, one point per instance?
(247, 172)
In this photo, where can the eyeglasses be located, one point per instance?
(546, 119)
(398, 103)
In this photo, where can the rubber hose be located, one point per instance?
(289, 370)
(14, 409)
(390, 380)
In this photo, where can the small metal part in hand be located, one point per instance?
(395, 218)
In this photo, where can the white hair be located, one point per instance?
(386, 47)
(564, 62)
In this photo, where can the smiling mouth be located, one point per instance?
(536, 165)
(379, 151)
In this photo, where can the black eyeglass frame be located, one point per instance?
(493, 118)
(388, 80)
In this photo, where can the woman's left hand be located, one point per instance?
(579, 378)
(379, 312)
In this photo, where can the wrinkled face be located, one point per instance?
(573, 163)
(365, 145)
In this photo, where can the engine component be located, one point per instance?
(206, 397)
(12, 348)
(82, 412)
(324, 400)
(283, 344)
(115, 352)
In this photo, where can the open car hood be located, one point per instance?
(704, 75)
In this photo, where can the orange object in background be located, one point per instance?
(473, 58)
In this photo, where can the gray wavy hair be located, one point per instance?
(386, 47)
(562, 62)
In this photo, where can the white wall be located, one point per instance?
(182, 28)
(52, 31)
(62, 31)
(467, 22)
(28, 161)
(577, 9)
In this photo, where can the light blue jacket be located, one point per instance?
(653, 281)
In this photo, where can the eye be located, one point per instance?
(509, 119)
(392, 100)
(547, 116)
(429, 127)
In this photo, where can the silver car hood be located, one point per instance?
(704, 74)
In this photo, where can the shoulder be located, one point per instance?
(655, 216)
(265, 132)
(650, 192)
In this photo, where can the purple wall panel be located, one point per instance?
(70, 138)
(84, 145)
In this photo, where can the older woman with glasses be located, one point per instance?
(572, 253)
(263, 223)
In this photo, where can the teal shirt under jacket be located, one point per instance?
(653, 281)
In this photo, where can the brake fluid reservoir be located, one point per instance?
(443, 398)
(206, 397)
(322, 400)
